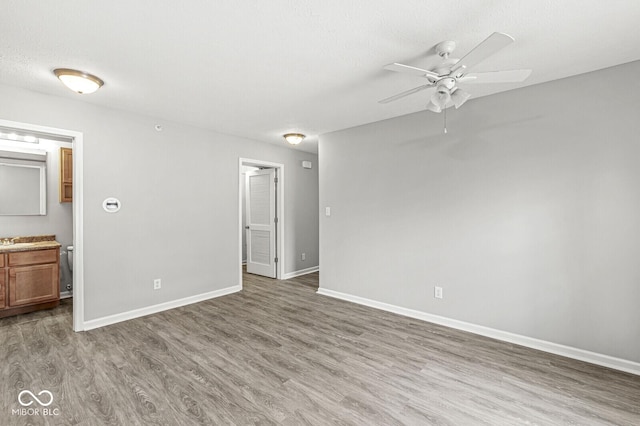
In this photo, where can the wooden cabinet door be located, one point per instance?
(66, 165)
(33, 284)
(3, 289)
(66, 175)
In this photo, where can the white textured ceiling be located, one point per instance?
(258, 69)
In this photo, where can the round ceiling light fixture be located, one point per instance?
(294, 138)
(78, 81)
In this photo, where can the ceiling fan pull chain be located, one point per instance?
(445, 119)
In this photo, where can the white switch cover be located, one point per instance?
(327, 211)
(437, 292)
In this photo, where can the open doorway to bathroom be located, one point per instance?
(60, 215)
(261, 218)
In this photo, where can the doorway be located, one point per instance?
(261, 221)
(261, 226)
(76, 139)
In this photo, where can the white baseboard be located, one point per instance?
(542, 345)
(66, 294)
(300, 272)
(137, 313)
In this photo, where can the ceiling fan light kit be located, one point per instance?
(441, 97)
(433, 107)
(446, 77)
(459, 97)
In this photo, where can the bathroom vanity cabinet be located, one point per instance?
(3, 285)
(29, 277)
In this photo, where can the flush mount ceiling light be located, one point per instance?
(78, 81)
(294, 138)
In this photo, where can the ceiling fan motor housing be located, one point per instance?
(447, 82)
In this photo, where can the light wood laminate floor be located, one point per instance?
(277, 353)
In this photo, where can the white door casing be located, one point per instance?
(261, 222)
(78, 210)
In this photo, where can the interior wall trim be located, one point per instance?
(154, 309)
(300, 272)
(542, 345)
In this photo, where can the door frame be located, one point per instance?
(78, 205)
(280, 246)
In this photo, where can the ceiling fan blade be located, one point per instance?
(511, 76)
(488, 47)
(411, 70)
(406, 93)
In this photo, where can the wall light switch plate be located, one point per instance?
(437, 292)
(327, 211)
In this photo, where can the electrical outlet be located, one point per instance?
(304, 256)
(157, 284)
(437, 292)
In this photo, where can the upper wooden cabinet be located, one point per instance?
(66, 175)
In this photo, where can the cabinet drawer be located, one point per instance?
(33, 284)
(33, 257)
(2, 256)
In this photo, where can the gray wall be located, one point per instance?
(527, 212)
(179, 194)
(59, 217)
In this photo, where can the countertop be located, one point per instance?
(40, 242)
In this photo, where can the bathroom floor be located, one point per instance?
(63, 312)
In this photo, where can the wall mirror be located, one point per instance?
(23, 183)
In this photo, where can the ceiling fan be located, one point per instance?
(445, 77)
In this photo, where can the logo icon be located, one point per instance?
(23, 395)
